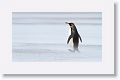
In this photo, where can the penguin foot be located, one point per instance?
(78, 51)
(71, 50)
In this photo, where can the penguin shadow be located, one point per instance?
(73, 51)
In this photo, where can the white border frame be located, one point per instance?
(104, 67)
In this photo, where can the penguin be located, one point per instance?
(74, 36)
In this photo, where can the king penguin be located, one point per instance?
(74, 36)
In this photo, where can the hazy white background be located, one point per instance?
(42, 36)
(50, 27)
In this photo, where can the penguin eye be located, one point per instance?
(70, 24)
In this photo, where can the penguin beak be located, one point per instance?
(66, 22)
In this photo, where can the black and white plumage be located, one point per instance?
(74, 36)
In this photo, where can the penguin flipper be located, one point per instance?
(69, 39)
(80, 38)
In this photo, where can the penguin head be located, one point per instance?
(72, 25)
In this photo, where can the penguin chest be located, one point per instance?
(71, 44)
(71, 40)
